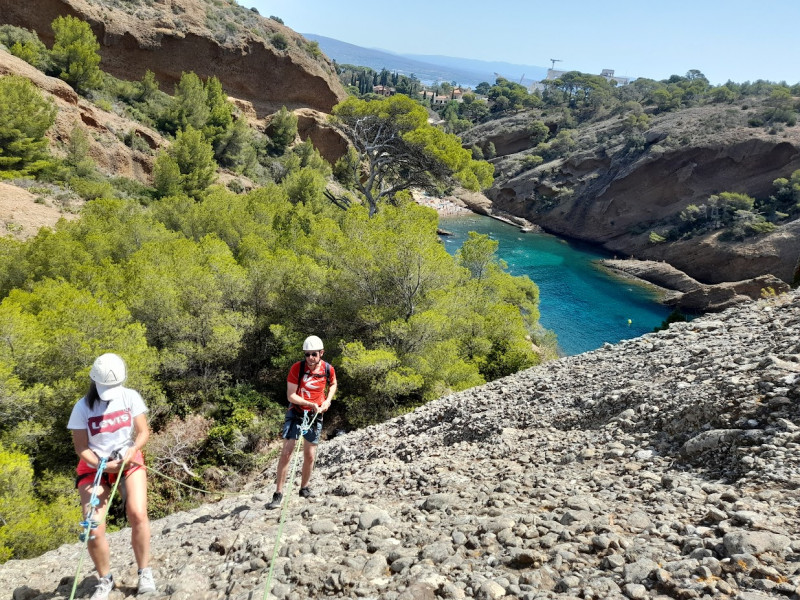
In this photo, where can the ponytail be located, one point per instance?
(92, 396)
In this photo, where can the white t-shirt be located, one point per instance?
(110, 423)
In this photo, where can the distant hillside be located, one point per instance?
(429, 69)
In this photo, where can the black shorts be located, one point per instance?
(293, 424)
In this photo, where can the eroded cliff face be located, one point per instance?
(175, 36)
(605, 194)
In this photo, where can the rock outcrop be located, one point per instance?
(607, 194)
(663, 467)
(313, 125)
(689, 294)
(256, 59)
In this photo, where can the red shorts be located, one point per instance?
(85, 472)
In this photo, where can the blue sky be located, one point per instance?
(726, 39)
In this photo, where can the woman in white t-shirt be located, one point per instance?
(110, 422)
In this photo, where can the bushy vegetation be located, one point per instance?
(203, 297)
(26, 45)
(738, 216)
(208, 294)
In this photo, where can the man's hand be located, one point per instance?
(325, 406)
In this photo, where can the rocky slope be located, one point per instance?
(606, 194)
(104, 130)
(219, 39)
(663, 467)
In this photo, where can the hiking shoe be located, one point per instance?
(277, 498)
(146, 582)
(104, 587)
(305, 492)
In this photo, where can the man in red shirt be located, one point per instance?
(306, 392)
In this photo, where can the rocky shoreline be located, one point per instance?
(685, 293)
(666, 466)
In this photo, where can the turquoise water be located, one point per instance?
(584, 305)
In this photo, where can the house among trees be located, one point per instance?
(384, 90)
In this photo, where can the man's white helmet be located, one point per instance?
(108, 369)
(312, 343)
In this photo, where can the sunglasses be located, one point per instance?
(312, 353)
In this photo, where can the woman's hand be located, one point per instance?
(113, 466)
(130, 455)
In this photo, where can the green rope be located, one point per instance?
(87, 532)
(196, 489)
(285, 504)
(284, 511)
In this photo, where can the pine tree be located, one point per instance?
(75, 54)
(191, 107)
(188, 166)
(220, 118)
(25, 116)
(148, 85)
(282, 131)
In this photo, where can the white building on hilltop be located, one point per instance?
(608, 74)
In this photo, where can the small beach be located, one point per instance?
(443, 206)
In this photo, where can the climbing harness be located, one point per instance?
(305, 427)
(90, 523)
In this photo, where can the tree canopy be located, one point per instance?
(398, 149)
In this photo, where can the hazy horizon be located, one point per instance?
(733, 40)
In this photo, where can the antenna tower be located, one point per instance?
(554, 61)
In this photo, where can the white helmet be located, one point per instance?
(108, 369)
(312, 343)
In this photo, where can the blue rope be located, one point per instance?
(89, 523)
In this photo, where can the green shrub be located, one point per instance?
(187, 166)
(91, 189)
(166, 176)
(135, 142)
(346, 167)
(25, 44)
(78, 153)
(312, 47)
(279, 41)
(31, 525)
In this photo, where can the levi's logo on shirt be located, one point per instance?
(110, 422)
